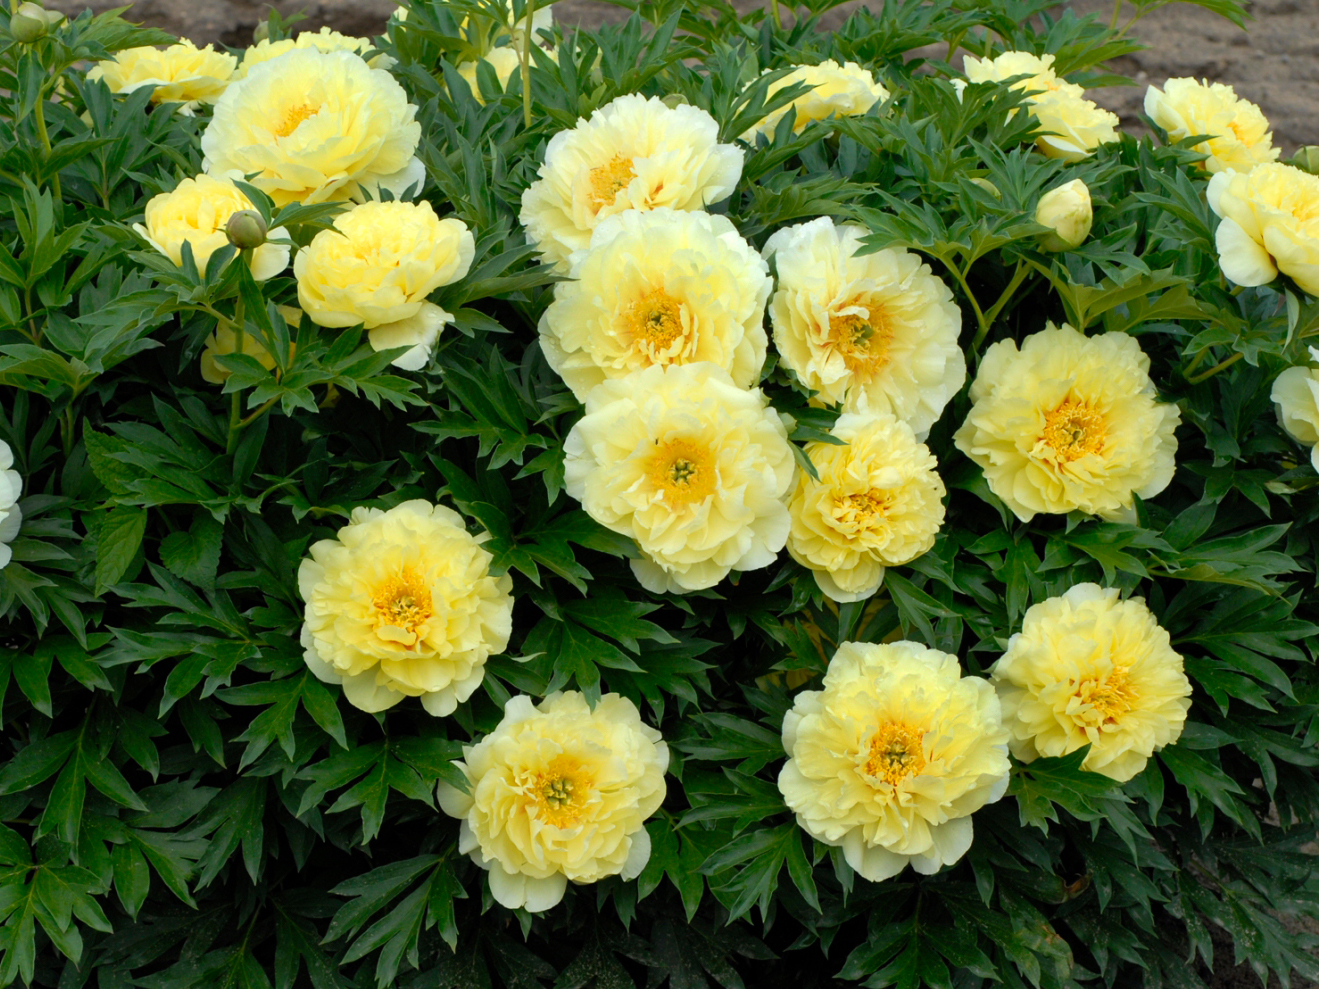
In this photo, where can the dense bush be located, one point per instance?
(202, 783)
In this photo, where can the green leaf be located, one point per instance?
(118, 540)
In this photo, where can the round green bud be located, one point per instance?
(29, 24)
(1307, 159)
(261, 32)
(246, 230)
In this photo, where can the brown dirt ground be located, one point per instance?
(1275, 63)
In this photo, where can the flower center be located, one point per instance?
(609, 179)
(895, 753)
(654, 322)
(864, 340)
(682, 471)
(293, 118)
(1109, 698)
(863, 510)
(559, 794)
(402, 604)
(1074, 429)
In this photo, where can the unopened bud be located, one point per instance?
(1068, 212)
(246, 229)
(29, 24)
(1307, 159)
(261, 32)
(674, 100)
(988, 186)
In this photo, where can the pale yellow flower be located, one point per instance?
(1068, 211)
(316, 127)
(1270, 224)
(196, 212)
(658, 287)
(893, 756)
(846, 90)
(559, 791)
(377, 266)
(632, 153)
(324, 40)
(1038, 70)
(401, 603)
(1296, 395)
(872, 332)
(11, 516)
(182, 73)
(224, 341)
(1069, 423)
(505, 61)
(542, 19)
(1240, 137)
(878, 503)
(1087, 668)
(694, 468)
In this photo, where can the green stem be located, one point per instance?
(778, 17)
(235, 405)
(39, 114)
(68, 427)
(1117, 11)
(260, 411)
(1220, 366)
(953, 44)
(1018, 277)
(527, 41)
(982, 325)
(1196, 361)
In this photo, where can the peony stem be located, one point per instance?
(1220, 366)
(235, 405)
(1196, 361)
(982, 331)
(778, 17)
(1117, 12)
(982, 325)
(527, 42)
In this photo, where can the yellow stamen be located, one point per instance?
(293, 118)
(1073, 429)
(403, 602)
(1108, 697)
(682, 471)
(559, 793)
(608, 180)
(895, 753)
(863, 340)
(654, 321)
(863, 510)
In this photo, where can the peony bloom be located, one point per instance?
(11, 516)
(377, 267)
(632, 153)
(1087, 668)
(688, 464)
(559, 791)
(316, 127)
(506, 62)
(878, 503)
(1069, 423)
(1067, 210)
(402, 604)
(542, 19)
(872, 332)
(1240, 137)
(893, 756)
(324, 40)
(659, 287)
(1296, 394)
(1270, 224)
(1074, 126)
(182, 73)
(196, 212)
(845, 90)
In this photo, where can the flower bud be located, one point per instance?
(988, 186)
(675, 100)
(29, 24)
(246, 230)
(261, 32)
(1067, 210)
(1307, 159)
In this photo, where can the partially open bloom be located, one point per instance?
(694, 468)
(1087, 668)
(872, 332)
(1068, 211)
(316, 127)
(377, 266)
(878, 503)
(1069, 423)
(559, 791)
(1270, 224)
(632, 153)
(182, 73)
(324, 40)
(845, 90)
(893, 756)
(1296, 395)
(11, 516)
(1239, 138)
(402, 604)
(659, 287)
(196, 212)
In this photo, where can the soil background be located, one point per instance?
(1274, 63)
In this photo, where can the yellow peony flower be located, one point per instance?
(182, 73)
(1240, 133)
(316, 127)
(11, 516)
(845, 90)
(506, 63)
(377, 267)
(196, 212)
(878, 503)
(224, 341)
(1068, 211)
(324, 40)
(694, 468)
(402, 604)
(1038, 70)
(1296, 394)
(559, 791)
(633, 153)
(1087, 668)
(1069, 423)
(893, 756)
(658, 287)
(872, 332)
(1270, 224)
